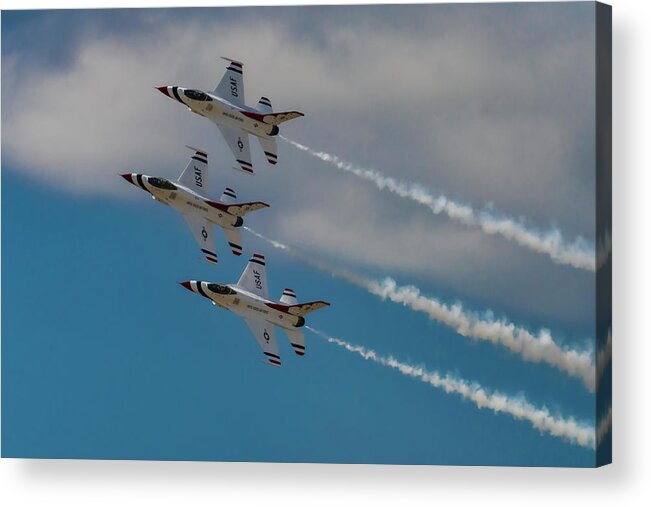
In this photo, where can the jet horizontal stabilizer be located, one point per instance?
(232, 61)
(201, 152)
(273, 118)
(238, 209)
(300, 309)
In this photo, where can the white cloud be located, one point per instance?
(352, 227)
(78, 126)
(577, 254)
(360, 86)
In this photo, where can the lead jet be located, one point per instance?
(225, 107)
(199, 211)
(249, 299)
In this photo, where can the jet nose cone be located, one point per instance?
(186, 285)
(129, 177)
(163, 90)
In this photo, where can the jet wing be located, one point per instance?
(202, 232)
(231, 87)
(254, 277)
(297, 340)
(195, 174)
(265, 335)
(270, 148)
(234, 238)
(238, 142)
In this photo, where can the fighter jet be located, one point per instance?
(225, 107)
(249, 299)
(199, 211)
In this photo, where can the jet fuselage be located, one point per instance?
(221, 111)
(184, 200)
(246, 304)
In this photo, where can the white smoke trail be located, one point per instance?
(534, 347)
(311, 261)
(577, 254)
(604, 356)
(604, 249)
(539, 347)
(519, 408)
(603, 426)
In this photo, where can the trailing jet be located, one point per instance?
(249, 299)
(225, 107)
(199, 211)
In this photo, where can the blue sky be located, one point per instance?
(106, 356)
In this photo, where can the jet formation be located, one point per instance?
(249, 297)
(225, 107)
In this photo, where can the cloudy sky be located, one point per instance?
(105, 356)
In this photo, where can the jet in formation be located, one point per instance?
(199, 211)
(225, 107)
(249, 299)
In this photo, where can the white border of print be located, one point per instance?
(76, 483)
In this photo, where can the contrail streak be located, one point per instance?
(311, 261)
(604, 249)
(519, 408)
(534, 347)
(604, 425)
(604, 356)
(577, 254)
(539, 347)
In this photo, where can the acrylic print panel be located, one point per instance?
(405, 274)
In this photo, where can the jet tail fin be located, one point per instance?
(264, 105)
(229, 196)
(288, 297)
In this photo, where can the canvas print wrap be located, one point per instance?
(345, 234)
